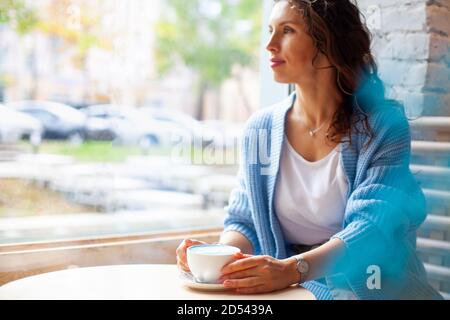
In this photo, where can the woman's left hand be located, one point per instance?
(258, 274)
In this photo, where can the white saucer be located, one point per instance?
(191, 283)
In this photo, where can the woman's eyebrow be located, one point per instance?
(286, 22)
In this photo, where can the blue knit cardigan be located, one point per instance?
(385, 205)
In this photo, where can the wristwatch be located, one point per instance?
(302, 267)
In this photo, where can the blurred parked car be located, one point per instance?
(188, 129)
(125, 125)
(59, 121)
(102, 121)
(15, 126)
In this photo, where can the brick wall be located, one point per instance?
(411, 44)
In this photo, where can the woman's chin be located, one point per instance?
(281, 79)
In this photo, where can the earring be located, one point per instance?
(340, 86)
(359, 107)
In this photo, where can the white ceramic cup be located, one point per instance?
(206, 260)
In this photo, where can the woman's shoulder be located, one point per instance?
(387, 114)
(390, 108)
(388, 124)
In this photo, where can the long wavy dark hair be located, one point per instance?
(339, 33)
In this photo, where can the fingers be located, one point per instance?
(243, 283)
(181, 253)
(241, 264)
(183, 265)
(241, 255)
(239, 274)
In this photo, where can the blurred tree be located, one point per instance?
(77, 24)
(20, 16)
(210, 37)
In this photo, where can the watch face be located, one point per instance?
(302, 266)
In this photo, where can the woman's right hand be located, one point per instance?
(181, 253)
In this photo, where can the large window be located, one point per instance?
(123, 117)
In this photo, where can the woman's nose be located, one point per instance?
(272, 45)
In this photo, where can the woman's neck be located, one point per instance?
(316, 103)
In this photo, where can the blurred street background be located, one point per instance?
(122, 117)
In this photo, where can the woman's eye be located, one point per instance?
(285, 30)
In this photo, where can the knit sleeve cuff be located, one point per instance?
(365, 244)
(355, 232)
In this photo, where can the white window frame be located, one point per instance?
(271, 91)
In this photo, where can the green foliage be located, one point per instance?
(93, 151)
(209, 36)
(15, 12)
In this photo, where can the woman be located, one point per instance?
(336, 207)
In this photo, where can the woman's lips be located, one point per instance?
(276, 62)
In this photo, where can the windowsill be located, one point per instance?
(103, 240)
(26, 259)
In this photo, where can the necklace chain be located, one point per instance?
(312, 132)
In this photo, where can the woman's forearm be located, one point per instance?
(234, 238)
(322, 261)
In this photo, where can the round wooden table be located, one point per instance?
(124, 282)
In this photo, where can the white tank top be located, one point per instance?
(310, 197)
